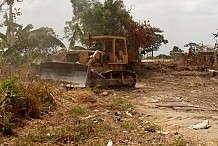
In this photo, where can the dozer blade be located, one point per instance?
(76, 75)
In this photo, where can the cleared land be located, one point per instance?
(158, 111)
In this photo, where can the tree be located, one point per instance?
(158, 40)
(216, 43)
(191, 46)
(176, 49)
(108, 18)
(201, 47)
(10, 20)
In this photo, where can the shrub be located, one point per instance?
(22, 100)
(96, 89)
(7, 123)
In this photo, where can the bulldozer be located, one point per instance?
(103, 63)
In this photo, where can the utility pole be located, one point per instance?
(11, 36)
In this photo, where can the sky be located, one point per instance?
(182, 21)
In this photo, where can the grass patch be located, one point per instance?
(126, 125)
(180, 141)
(87, 96)
(121, 105)
(96, 89)
(42, 135)
(84, 132)
(77, 111)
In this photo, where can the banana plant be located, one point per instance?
(29, 43)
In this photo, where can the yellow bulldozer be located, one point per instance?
(103, 63)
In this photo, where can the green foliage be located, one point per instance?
(3, 43)
(7, 123)
(180, 141)
(194, 59)
(126, 125)
(96, 89)
(110, 18)
(176, 49)
(215, 35)
(158, 39)
(204, 47)
(9, 86)
(95, 18)
(8, 97)
(42, 135)
(28, 43)
(77, 111)
(82, 131)
(20, 100)
(121, 105)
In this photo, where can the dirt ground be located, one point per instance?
(177, 100)
(166, 101)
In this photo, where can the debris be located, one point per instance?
(136, 91)
(214, 72)
(129, 114)
(118, 118)
(89, 117)
(202, 125)
(96, 121)
(155, 101)
(163, 132)
(149, 130)
(96, 110)
(117, 113)
(105, 93)
(184, 106)
(110, 143)
(178, 98)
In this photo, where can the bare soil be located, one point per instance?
(177, 100)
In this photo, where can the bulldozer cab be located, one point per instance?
(113, 47)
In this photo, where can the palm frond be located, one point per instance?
(3, 36)
(56, 41)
